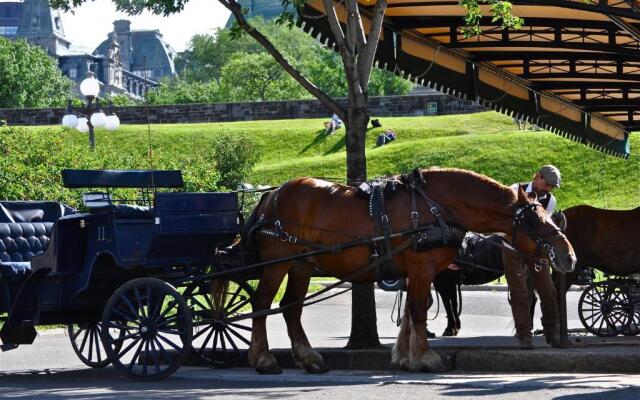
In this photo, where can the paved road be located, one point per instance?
(484, 314)
(49, 369)
(201, 383)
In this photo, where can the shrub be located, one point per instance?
(235, 156)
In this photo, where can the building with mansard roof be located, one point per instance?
(128, 62)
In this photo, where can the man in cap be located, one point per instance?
(520, 272)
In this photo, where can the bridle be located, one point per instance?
(527, 218)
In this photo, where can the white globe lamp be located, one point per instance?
(90, 87)
(70, 121)
(112, 123)
(98, 119)
(83, 125)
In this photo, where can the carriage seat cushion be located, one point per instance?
(19, 242)
(14, 271)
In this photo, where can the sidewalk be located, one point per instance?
(492, 354)
(486, 344)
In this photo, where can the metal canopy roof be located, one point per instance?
(573, 67)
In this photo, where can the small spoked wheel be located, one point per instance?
(218, 339)
(603, 308)
(146, 329)
(87, 344)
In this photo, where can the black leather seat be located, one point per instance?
(19, 242)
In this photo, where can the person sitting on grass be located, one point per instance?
(388, 136)
(334, 123)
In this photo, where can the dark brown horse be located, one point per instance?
(604, 239)
(317, 211)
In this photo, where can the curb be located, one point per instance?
(610, 358)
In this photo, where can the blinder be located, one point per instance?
(527, 218)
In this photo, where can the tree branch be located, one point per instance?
(236, 10)
(365, 62)
(351, 36)
(361, 36)
(334, 23)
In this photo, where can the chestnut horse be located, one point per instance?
(320, 212)
(603, 239)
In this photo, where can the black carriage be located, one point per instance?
(611, 306)
(130, 278)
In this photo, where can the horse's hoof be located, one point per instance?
(450, 332)
(267, 365)
(432, 362)
(401, 363)
(317, 368)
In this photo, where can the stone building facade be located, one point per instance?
(128, 62)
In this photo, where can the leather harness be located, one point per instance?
(423, 237)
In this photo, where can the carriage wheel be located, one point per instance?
(146, 329)
(217, 340)
(603, 308)
(86, 343)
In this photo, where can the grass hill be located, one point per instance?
(488, 143)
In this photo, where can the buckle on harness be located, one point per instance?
(415, 217)
(434, 211)
(384, 218)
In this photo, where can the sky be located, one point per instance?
(90, 23)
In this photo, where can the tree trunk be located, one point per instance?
(364, 327)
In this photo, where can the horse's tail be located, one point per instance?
(219, 290)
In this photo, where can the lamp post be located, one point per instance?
(90, 88)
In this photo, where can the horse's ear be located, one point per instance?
(533, 196)
(417, 175)
(522, 196)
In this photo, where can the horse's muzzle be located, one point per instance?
(567, 265)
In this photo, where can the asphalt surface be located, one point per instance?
(50, 370)
(486, 318)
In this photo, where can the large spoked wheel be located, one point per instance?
(218, 340)
(147, 329)
(87, 344)
(603, 308)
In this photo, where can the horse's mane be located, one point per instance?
(486, 188)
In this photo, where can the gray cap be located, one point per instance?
(550, 174)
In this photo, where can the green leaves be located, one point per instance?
(257, 77)
(234, 155)
(29, 77)
(178, 91)
(500, 11)
(222, 58)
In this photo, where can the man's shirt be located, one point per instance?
(548, 201)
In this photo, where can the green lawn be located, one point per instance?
(484, 142)
(488, 143)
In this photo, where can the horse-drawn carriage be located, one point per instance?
(141, 286)
(128, 278)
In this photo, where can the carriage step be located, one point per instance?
(17, 335)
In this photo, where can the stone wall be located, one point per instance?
(387, 106)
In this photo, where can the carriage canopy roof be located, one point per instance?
(573, 67)
(84, 178)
